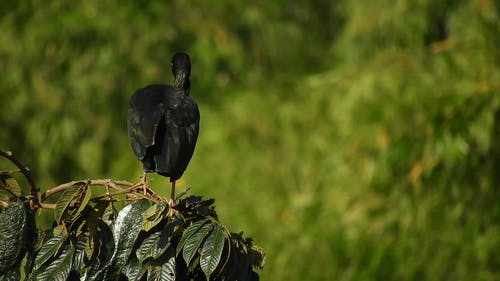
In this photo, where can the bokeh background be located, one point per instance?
(353, 140)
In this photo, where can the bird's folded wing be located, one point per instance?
(142, 127)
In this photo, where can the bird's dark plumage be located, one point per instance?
(163, 123)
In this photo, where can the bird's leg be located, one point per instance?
(144, 183)
(171, 202)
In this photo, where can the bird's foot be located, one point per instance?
(172, 211)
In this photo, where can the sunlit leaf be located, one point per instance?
(154, 215)
(79, 259)
(49, 249)
(89, 247)
(58, 230)
(155, 244)
(162, 272)
(133, 270)
(84, 200)
(168, 270)
(59, 269)
(211, 252)
(148, 246)
(189, 231)
(65, 200)
(194, 241)
(125, 231)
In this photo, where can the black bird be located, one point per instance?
(163, 123)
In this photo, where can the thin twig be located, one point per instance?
(123, 200)
(26, 172)
(122, 187)
(151, 194)
(46, 206)
(4, 203)
(2, 173)
(104, 182)
(183, 193)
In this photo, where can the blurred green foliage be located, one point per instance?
(354, 140)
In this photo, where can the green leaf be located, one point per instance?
(211, 252)
(226, 253)
(93, 222)
(13, 223)
(134, 270)
(87, 194)
(102, 252)
(59, 269)
(48, 250)
(58, 230)
(148, 247)
(125, 231)
(10, 186)
(163, 272)
(189, 231)
(13, 274)
(156, 244)
(194, 242)
(154, 215)
(78, 261)
(65, 199)
(168, 270)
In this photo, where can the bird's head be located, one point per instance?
(181, 66)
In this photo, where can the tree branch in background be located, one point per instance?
(10, 172)
(26, 172)
(37, 200)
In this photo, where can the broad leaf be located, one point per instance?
(189, 231)
(93, 221)
(13, 274)
(58, 230)
(134, 270)
(148, 247)
(163, 272)
(194, 241)
(78, 261)
(125, 231)
(12, 228)
(103, 249)
(156, 244)
(84, 199)
(59, 269)
(10, 187)
(48, 250)
(168, 270)
(226, 253)
(154, 215)
(64, 201)
(211, 252)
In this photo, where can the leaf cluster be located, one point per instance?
(145, 240)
